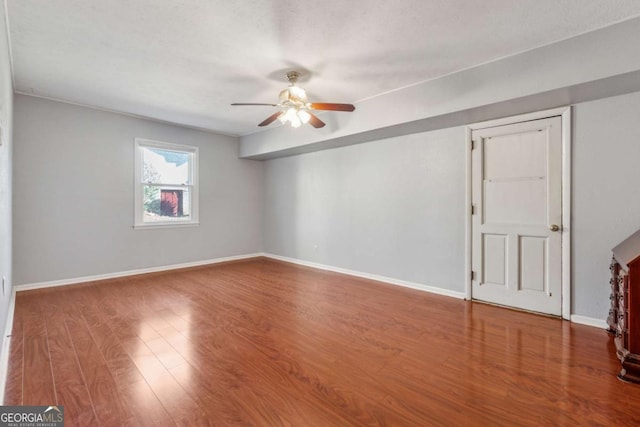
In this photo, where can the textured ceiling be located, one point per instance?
(185, 61)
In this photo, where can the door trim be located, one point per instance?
(565, 114)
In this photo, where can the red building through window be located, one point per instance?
(171, 203)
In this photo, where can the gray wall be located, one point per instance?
(396, 207)
(73, 195)
(393, 207)
(606, 193)
(6, 118)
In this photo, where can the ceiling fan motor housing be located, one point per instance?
(294, 96)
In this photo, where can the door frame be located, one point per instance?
(565, 114)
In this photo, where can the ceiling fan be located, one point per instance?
(295, 108)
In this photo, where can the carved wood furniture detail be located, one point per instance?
(624, 315)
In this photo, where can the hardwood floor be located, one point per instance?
(265, 343)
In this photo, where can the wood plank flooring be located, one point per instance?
(265, 343)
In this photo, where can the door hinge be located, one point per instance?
(473, 144)
(473, 209)
(473, 275)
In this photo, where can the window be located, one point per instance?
(166, 176)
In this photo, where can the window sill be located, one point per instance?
(167, 225)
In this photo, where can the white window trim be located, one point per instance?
(138, 185)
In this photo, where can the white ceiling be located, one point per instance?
(185, 61)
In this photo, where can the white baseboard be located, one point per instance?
(589, 321)
(76, 280)
(389, 280)
(6, 346)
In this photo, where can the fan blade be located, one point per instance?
(315, 121)
(270, 119)
(249, 103)
(332, 107)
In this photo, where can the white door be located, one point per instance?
(517, 215)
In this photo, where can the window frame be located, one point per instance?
(139, 145)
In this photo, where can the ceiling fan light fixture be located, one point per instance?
(291, 116)
(295, 117)
(304, 116)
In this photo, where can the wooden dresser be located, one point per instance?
(624, 315)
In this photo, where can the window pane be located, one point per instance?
(166, 204)
(165, 167)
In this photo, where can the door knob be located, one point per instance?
(554, 227)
